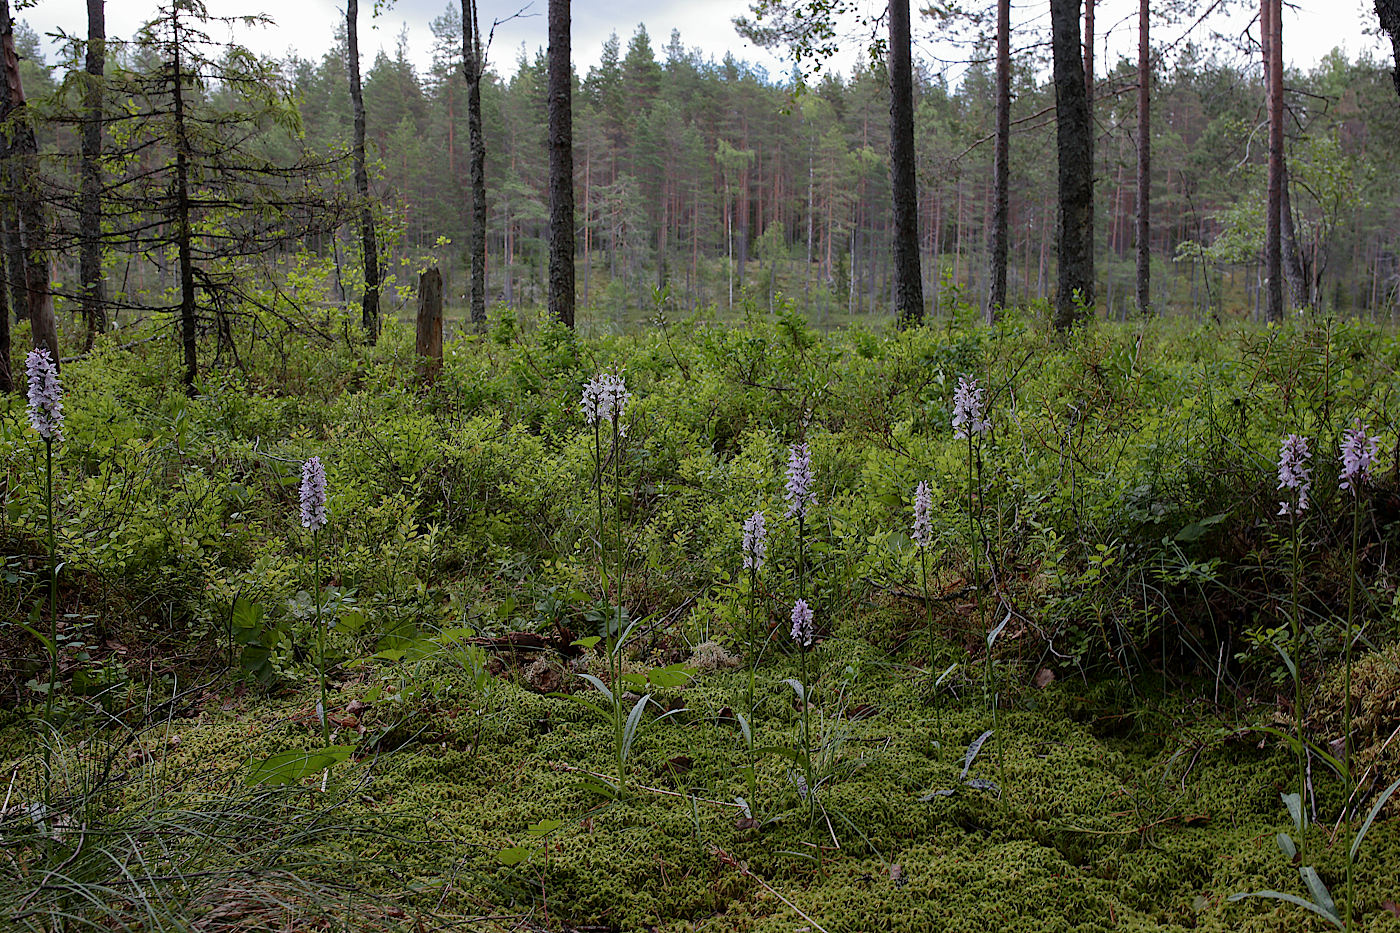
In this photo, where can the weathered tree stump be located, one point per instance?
(429, 344)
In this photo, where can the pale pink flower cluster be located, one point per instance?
(755, 542)
(923, 514)
(604, 398)
(802, 631)
(969, 418)
(1294, 473)
(1359, 449)
(313, 495)
(800, 494)
(45, 395)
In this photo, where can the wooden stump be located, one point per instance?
(429, 345)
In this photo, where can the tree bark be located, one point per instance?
(1001, 170)
(7, 383)
(1271, 40)
(183, 233)
(1074, 298)
(473, 66)
(908, 283)
(561, 166)
(1388, 11)
(94, 290)
(9, 232)
(369, 303)
(31, 263)
(1297, 270)
(429, 331)
(1144, 163)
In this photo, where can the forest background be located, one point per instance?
(726, 185)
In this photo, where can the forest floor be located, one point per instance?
(1094, 811)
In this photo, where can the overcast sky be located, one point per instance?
(1311, 28)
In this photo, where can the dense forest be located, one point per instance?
(735, 187)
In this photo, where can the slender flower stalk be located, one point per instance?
(46, 417)
(970, 421)
(755, 548)
(604, 400)
(1295, 477)
(802, 634)
(801, 496)
(923, 538)
(313, 518)
(1359, 449)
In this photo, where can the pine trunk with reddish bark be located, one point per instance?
(561, 166)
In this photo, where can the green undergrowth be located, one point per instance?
(1129, 516)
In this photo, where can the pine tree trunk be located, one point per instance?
(909, 286)
(94, 297)
(183, 232)
(9, 232)
(1074, 298)
(1388, 11)
(369, 303)
(1270, 14)
(474, 65)
(30, 261)
(1144, 164)
(561, 167)
(1001, 170)
(7, 382)
(1297, 270)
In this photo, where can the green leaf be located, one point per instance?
(600, 687)
(992, 635)
(1197, 529)
(514, 855)
(1371, 818)
(290, 767)
(672, 675)
(1294, 803)
(544, 827)
(1292, 899)
(587, 643)
(1321, 896)
(631, 727)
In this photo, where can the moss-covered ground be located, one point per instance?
(1111, 814)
